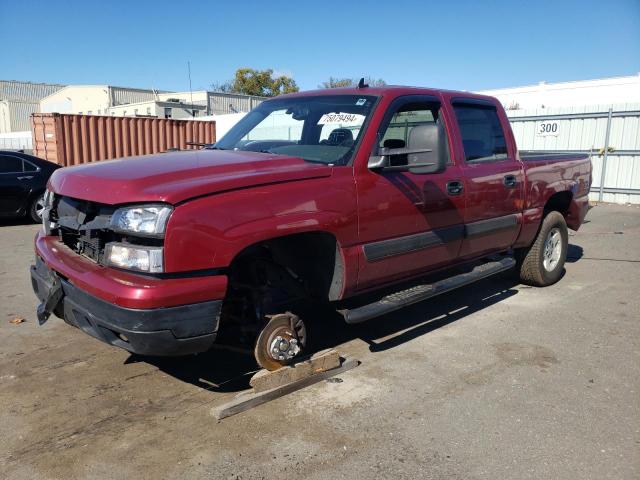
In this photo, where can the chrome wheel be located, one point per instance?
(39, 206)
(552, 250)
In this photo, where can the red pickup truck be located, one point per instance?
(312, 198)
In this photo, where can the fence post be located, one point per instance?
(606, 153)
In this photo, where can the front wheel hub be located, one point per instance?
(284, 349)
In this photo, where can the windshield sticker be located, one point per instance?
(328, 118)
(361, 101)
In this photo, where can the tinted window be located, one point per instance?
(482, 136)
(10, 164)
(415, 126)
(404, 121)
(29, 167)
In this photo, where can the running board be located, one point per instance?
(398, 300)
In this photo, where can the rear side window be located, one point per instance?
(482, 135)
(10, 164)
(29, 167)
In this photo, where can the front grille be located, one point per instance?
(89, 243)
(83, 226)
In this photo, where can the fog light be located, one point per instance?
(134, 257)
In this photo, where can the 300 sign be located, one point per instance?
(548, 128)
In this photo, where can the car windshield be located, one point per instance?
(323, 128)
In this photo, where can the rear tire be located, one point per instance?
(36, 208)
(542, 264)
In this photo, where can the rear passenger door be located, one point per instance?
(493, 179)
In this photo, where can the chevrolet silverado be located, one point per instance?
(313, 198)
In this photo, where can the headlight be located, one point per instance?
(48, 198)
(142, 219)
(47, 225)
(134, 257)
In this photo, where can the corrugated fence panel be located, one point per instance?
(75, 139)
(19, 113)
(584, 128)
(221, 103)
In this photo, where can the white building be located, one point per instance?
(121, 101)
(172, 108)
(599, 117)
(18, 100)
(93, 99)
(605, 91)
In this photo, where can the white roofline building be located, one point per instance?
(604, 91)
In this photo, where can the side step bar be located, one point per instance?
(398, 300)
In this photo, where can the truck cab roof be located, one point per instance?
(390, 90)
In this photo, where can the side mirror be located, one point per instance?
(383, 161)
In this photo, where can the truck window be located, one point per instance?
(482, 135)
(280, 125)
(415, 125)
(323, 129)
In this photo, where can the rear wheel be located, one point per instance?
(542, 263)
(36, 208)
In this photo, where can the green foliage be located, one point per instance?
(351, 82)
(261, 83)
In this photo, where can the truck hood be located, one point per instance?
(177, 176)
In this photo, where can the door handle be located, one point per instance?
(27, 177)
(510, 181)
(455, 187)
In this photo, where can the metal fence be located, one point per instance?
(611, 134)
(16, 141)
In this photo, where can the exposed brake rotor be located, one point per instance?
(280, 341)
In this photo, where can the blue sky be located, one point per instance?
(468, 45)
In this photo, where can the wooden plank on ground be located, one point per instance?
(251, 399)
(320, 362)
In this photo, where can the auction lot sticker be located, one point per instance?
(329, 118)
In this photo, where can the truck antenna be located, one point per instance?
(361, 83)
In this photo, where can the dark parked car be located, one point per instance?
(23, 179)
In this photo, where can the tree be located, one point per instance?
(225, 87)
(351, 82)
(262, 83)
(257, 82)
(337, 83)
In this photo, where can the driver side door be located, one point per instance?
(410, 222)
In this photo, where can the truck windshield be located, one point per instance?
(323, 128)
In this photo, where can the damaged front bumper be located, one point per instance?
(177, 330)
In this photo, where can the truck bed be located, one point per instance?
(551, 155)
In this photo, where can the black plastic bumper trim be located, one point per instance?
(166, 331)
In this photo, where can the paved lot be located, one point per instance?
(496, 381)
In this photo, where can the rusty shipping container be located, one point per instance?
(68, 139)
